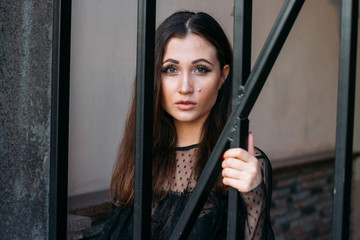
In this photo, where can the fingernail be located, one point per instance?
(224, 156)
(250, 132)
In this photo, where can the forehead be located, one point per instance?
(192, 46)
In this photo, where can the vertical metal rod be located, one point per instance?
(345, 119)
(236, 211)
(241, 71)
(59, 131)
(246, 101)
(144, 118)
(242, 43)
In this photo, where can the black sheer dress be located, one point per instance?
(212, 221)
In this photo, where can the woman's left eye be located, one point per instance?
(202, 69)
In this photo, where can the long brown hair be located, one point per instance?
(179, 25)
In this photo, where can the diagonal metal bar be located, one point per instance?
(244, 104)
(60, 88)
(144, 118)
(345, 119)
(241, 71)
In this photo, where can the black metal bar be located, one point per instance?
(345, 119)
(246, 100)
(59, 131)
(144, 118)
(242, 43)
(235, 223)
(241, 71)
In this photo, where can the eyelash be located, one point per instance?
(203, 69)
(166, 69)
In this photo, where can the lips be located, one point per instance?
(185, 104)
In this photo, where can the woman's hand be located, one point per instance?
(240, 168)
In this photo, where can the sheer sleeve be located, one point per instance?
(258, 202)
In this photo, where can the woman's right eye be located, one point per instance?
(169, 70)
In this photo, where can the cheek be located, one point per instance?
(210, 90)
(209, 99)
(165, 95)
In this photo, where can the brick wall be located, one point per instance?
(302, 201)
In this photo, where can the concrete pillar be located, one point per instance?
(26, 29)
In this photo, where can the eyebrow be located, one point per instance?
(193, 62)
(171, 60)
(201, 60)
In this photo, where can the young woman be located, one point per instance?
(192, 101)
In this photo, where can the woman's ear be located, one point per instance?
(224, 74)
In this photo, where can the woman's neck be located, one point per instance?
(188, 134)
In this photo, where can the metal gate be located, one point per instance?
(246, 88)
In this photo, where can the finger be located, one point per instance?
(251, 147)
(238, 153)
(234, 163)
(232, 173)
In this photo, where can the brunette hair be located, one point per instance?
(179, 24)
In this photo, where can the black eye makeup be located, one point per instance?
(171, 69)
(202, 69)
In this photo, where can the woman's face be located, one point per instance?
(190, 77)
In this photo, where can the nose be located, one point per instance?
(185, 85)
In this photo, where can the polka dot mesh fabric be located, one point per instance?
(255, 199)
(212, 220)
(255, 205)
(185, 161)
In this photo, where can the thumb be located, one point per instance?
(251, 148)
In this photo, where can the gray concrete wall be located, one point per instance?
(25, 77)
(357, 101)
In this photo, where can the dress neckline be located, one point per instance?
(186, 147)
